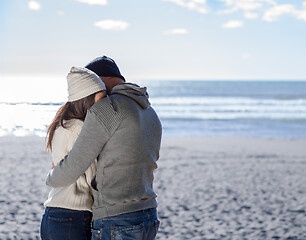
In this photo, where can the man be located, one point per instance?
(124, 133)
(108, 71)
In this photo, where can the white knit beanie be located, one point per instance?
(82, 82)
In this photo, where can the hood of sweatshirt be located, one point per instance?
(133, 91)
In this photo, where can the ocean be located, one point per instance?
(194, 108)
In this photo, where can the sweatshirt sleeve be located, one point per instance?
(86, 149)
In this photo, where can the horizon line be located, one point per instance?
(170, 78)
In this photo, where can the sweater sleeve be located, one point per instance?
(86, 149)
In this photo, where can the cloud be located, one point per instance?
(33, 5)
(273, 14)
(233, 24)
(302, 13)
(194, 5)
(61, 13)
(112, 25)
(176, 31)
(269, 10)
(245, 56)
(251, 15)
(244, 5)
(94, 2)
(247, 7)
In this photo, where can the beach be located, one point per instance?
(208, 187)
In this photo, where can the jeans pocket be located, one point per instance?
(156, 225)
(59, 227)
(95, 234)
(130, 232)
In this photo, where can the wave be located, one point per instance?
(187, 100)
(22, 119)
(232, 118)
(224, 100)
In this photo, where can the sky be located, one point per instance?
(157, 39)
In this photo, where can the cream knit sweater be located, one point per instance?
(77, 196)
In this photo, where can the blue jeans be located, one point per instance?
(62, 224)
(140, 225)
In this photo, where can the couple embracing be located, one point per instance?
(105, 142)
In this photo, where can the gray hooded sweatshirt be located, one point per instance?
(124, 133)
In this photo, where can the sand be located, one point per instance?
(208, 188)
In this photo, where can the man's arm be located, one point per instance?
(86, 149)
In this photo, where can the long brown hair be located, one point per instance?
(70, 110)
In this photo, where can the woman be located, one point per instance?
(68, 209)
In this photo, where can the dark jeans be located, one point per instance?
(62, 224)
(140, 225)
